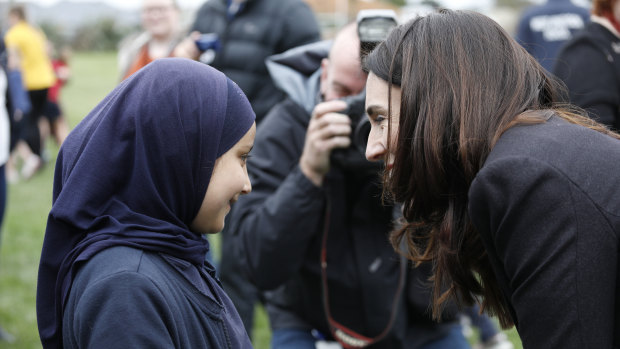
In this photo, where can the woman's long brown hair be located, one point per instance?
(464, 81)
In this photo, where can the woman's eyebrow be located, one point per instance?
(375, 110)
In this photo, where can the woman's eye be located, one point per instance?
(245, 158)
(379, 119)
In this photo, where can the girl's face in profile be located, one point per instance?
(228, 181)
(377, 108)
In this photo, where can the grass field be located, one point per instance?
(94, 75)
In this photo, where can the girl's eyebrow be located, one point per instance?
(375, 110)
(247, 149)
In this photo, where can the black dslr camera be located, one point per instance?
(373, 27)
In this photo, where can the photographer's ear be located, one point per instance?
(324, 84)
(324, 66)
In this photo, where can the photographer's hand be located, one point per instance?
(327, 130)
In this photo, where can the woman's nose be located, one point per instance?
(375, 150)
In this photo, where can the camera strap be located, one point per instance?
(344, 335)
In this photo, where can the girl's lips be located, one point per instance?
(233, 200)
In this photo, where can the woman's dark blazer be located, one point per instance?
(547, 206)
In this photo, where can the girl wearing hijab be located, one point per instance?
(153, 167)
(513, 197)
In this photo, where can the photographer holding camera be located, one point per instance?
(314, 231)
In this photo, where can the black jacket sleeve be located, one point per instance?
(552, 253)
(276, 221)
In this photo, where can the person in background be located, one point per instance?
(488, 335)
(5, 140)
(162, 32)
(313, 233)
(509, 192)
(589, 65)
(138, 181)
(245, 33)
(544, 28)
(27, 52)
(55, 123)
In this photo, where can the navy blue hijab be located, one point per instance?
(135, 171)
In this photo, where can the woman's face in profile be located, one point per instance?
(377, 108)
(228, 181)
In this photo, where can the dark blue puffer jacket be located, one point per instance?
(258, 30)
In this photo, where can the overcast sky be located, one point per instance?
(192, 4)
(133, 4)
(127, 4)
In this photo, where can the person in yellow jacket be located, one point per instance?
(26, 46)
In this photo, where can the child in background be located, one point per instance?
(54, 122)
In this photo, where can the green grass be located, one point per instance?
(93, 76)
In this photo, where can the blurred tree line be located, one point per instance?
(513, 4)
(101, 35)
(105, 34)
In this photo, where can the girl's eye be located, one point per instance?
(245, 158)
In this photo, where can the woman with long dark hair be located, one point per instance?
(514, 197)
